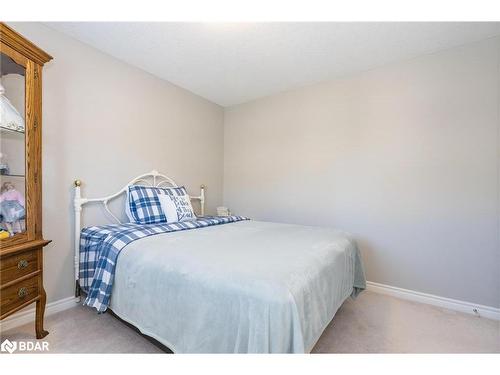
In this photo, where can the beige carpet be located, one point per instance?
(373, 323)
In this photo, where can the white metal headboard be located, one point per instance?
(153, 178)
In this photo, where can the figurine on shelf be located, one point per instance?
(12, 209)
(4, 234)
(4, 167)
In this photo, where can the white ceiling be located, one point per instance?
(231, 63)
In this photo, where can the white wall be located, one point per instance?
(106, 122)
(406, 157)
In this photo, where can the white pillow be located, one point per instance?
(176, 207)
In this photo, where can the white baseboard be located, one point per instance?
(28, 316)
(430, 299)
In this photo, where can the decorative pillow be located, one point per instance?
(143, 204)
(176, 207)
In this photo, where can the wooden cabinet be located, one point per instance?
(21, 240)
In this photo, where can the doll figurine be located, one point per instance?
(12, 208)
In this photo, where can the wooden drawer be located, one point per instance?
(18, 294)
(18, 265)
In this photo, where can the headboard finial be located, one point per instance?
(78, 183)
(154, 172)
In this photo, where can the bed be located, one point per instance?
(217, 284)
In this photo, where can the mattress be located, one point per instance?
(243, 287)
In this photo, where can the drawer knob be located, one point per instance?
(23, 263)
(22, 292)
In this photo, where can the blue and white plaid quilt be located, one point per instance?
(100, 246)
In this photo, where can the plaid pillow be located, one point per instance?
(144, 206)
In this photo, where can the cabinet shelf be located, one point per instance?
(12, 175)
(11, 131)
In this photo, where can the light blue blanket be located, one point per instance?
(245, 287)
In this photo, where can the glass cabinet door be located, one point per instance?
(12, 148)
